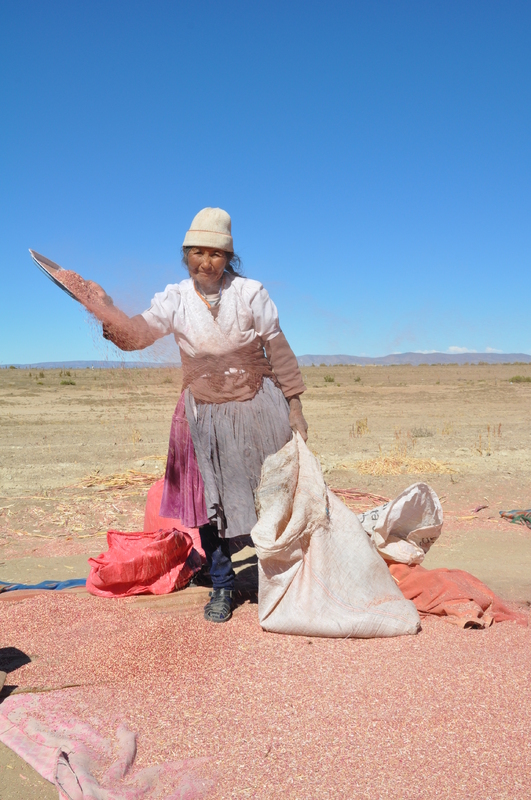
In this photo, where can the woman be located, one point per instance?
(239, 404)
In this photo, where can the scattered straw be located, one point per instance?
(400, 461)
(400, 465)
(81, 510)
(120, 480)
(359, 501)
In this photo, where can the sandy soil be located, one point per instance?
(67, 439)
(471, 417)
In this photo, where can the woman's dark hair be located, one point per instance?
(234, 262)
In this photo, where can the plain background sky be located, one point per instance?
(374, 157)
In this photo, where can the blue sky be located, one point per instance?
(374, 157)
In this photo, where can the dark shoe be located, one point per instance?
(202, 578)
(219, 607)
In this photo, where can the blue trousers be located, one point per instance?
(218, 558)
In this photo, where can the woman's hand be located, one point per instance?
(127, 333)
(97, 301)
(99, 294)
(90, 294)
(296, 417)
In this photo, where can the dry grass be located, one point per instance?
(82, 510)
(359, 428)
(156, 458)
(400, 461)
(402, 465)
(85, 509)
(485, 446)
(120, 480)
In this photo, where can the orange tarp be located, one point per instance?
(454, 594)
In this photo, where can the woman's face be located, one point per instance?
(206, 266)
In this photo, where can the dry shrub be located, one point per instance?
(485, 447)
(421, 433)
(359, 428)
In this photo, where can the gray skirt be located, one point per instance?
(231, 442)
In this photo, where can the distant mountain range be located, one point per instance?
(94, 365)
(417, 358)
(309, 360)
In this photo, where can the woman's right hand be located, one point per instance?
(127, 333)
(89, 293)
(97, 301)
(101, 295)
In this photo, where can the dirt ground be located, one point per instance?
(80, 449)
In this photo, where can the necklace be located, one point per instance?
(201, 294)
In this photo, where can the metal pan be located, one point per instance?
(50, 269)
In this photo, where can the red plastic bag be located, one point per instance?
(152, 520)
(143, 563)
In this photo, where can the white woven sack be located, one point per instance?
(404, 529)
(319, 573)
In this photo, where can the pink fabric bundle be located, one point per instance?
(156, 562)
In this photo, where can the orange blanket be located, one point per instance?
(453, 594)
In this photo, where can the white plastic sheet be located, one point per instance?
(319, 572)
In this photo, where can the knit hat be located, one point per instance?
(210, 228)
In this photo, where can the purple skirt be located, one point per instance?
(184, 492)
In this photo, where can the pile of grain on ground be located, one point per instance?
(279, 716)
(289, 717)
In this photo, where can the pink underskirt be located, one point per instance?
(184, 492)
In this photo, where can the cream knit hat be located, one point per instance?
(210, 228)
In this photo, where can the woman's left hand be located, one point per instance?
(296, 418)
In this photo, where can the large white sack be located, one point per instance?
(404, 529)
(319, 572)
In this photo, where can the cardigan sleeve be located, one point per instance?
(284, 363)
